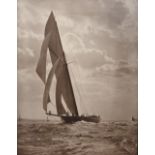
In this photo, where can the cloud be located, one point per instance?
(95, 59)
(73, 43)
(115, 69)
(105, 22)
(65, 21)
(29, 34)
(87, 57)
(28, 52)
(25, 58)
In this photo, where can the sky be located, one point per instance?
(99, 37)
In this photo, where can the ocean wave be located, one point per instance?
(81, 138)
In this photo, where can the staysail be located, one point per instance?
(64, 88)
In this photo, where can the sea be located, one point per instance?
(42, 137)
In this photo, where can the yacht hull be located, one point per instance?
(73, 119)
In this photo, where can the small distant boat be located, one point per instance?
(64, 91)
(134, 119)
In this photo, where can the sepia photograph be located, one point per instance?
(77, 77)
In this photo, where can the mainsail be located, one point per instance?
(64, 88)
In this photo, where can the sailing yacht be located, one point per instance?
(59, 68)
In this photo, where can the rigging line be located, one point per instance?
(78, 90)
(83, 90)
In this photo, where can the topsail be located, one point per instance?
(64, 88)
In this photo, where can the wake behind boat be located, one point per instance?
(66, 104)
